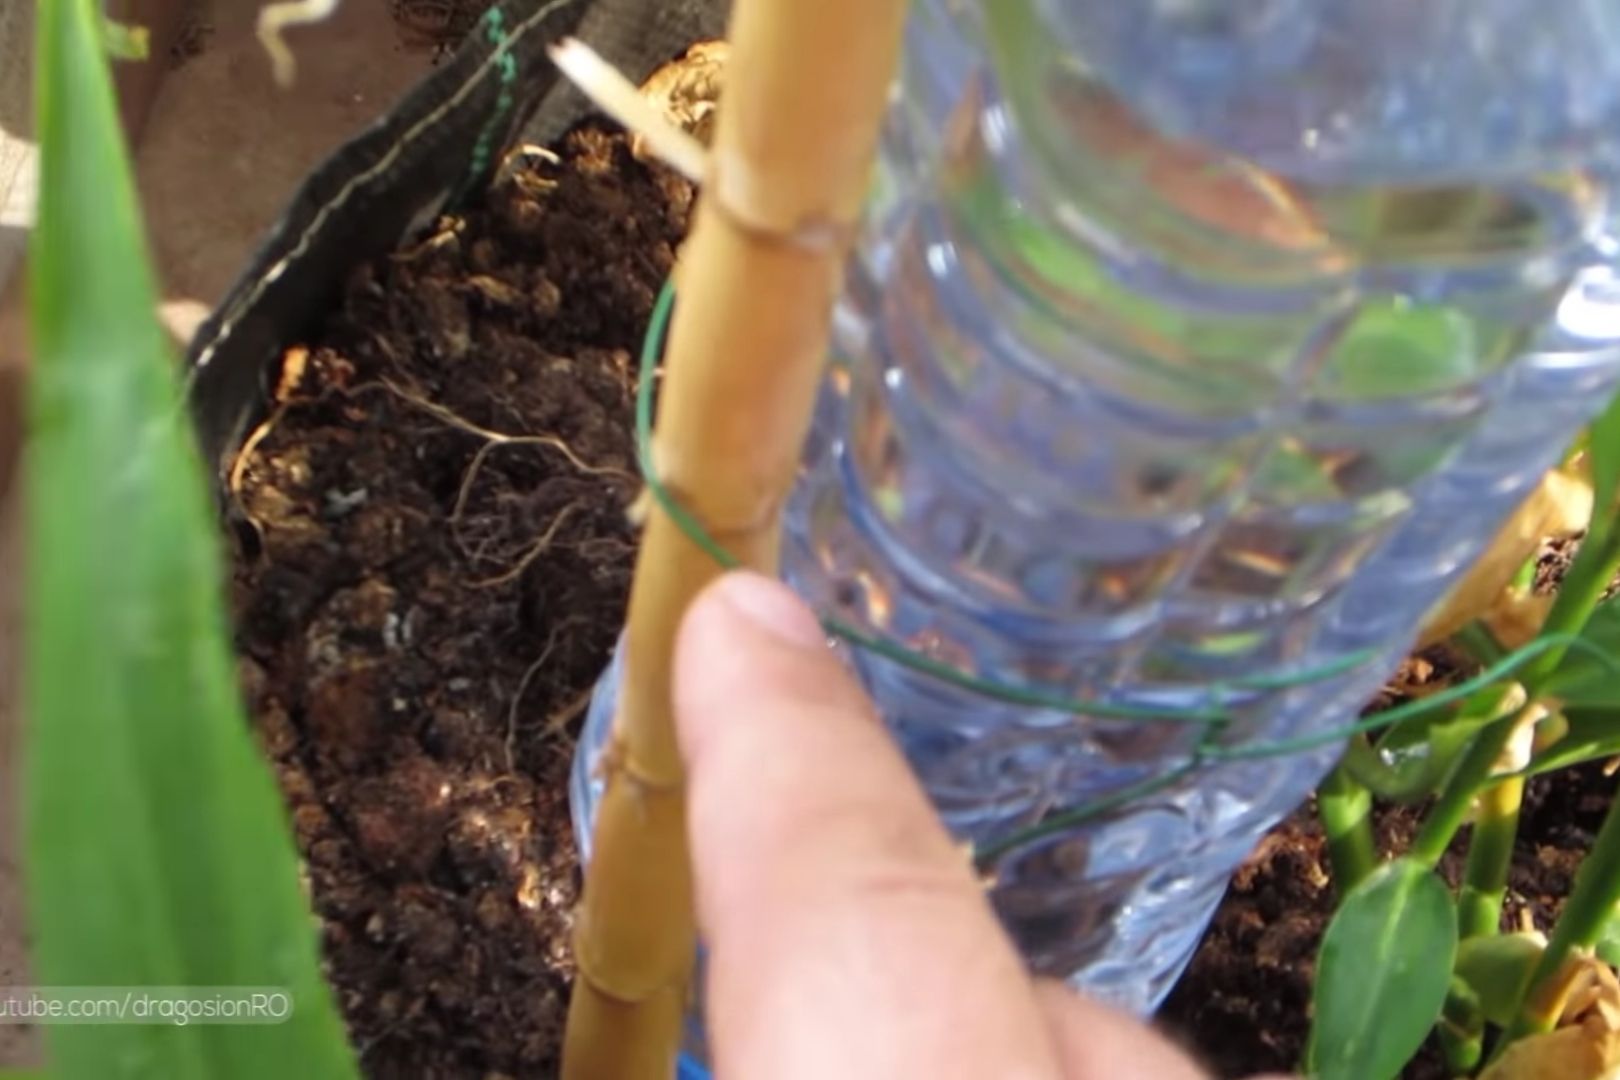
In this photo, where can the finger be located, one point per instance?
(1096, 1041)
(846, 935)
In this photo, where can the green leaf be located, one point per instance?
(1497, 969)
(1608, 943)
(1592, 735)
(1583, 679)
(1603, 447)
(124, 41)
(1383, 974)
(1397, 347)
(1414, 757)
(1461, 1032)
(156, 848)
(1580, 594)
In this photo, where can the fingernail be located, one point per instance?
(772, 607)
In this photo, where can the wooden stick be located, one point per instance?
(797, 125)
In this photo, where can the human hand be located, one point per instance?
(846, 934)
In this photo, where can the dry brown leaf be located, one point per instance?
(687, 91)
(1573, 1053)
(1586, 1044)
(1559, 506)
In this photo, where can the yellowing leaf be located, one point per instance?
(1575, 1053)
(1516, 617)
(1497, 968)
(1569, 493)
(1559, 506)
(124, 41)
(1521, 743)
(687, 90)
(1586, 1044)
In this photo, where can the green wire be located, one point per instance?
(1499, 670)
(1215, 720)
(1028, 696)
(497, 34)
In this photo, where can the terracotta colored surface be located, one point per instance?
(137, 83)
(224, 147)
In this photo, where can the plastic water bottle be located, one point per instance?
(1192, 343)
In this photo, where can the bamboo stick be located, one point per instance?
(796, 128)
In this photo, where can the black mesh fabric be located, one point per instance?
(361, 201)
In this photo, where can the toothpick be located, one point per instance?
(617, 96)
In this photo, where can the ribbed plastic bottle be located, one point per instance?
(1193, 343)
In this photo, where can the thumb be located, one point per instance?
(847, 936)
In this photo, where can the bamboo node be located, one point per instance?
(729, 186)
(591, 970)
(763, 515)
(618, 763)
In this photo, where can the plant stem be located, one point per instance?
(1597, 882)
(1461, 1051)
(1478, 643)
(1595, 565)
(758, 277)
(1461, 1030)
(1593, 569)
(1441, 826)
(1490, 854)
(1590, 904)
(1345, 808)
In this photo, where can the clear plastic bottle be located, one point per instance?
(1194, 341)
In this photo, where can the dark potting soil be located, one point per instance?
(440, 568)
(443, 569)
(1244, 1003)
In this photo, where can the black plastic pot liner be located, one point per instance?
(362, 201)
